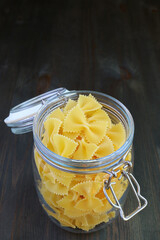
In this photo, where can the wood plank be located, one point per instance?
(107, 46)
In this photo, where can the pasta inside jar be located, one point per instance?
(81, 130)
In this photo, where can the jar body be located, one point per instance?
(76, 202)
(72, 192)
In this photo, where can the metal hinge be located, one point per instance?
(131, 179)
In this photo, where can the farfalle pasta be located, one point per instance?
(82, 130)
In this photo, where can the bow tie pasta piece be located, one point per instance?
(59, 176)
(117, 135)
(51, 198)
(105, 148)
(85, 150)
(88, 103)
(61, 179)
(56, 187)
(75, 120)
(88, 203)
(71, 135)
(69, 207)
(95, 131)
(57, 113)
(70, 104)
(47, 175)
(72, 196)
(82, 222)
(62, 145)
(51, 126)
(99, 115)
(88, 188)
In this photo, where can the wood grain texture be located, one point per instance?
(107, 46)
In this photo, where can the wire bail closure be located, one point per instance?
(108, 185)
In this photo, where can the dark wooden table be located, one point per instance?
(108, 46)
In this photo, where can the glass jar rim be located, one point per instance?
(82, 166)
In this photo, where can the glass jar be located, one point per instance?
(83, 195)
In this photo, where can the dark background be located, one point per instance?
(109, 46)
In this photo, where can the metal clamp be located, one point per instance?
(108, 185)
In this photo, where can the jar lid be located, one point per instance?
(21, 117)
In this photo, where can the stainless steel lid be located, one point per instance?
(21, 117)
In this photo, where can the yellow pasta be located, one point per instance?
(105, 147)
(71, 135)
(51, 126)
(64, 220)
(64, 178)
(51, 198)
(59, 172)
(62, 145)
(82, 130)
(69, 207)
(88, 203)
(88, 188)
(75, 121)
(95, 131)
(39, 163)
(85, 150)
(117, 134)
(99, 115)
(57, 114)
(56, 187)
(89, 221)
(70, 104)
(88, 103)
